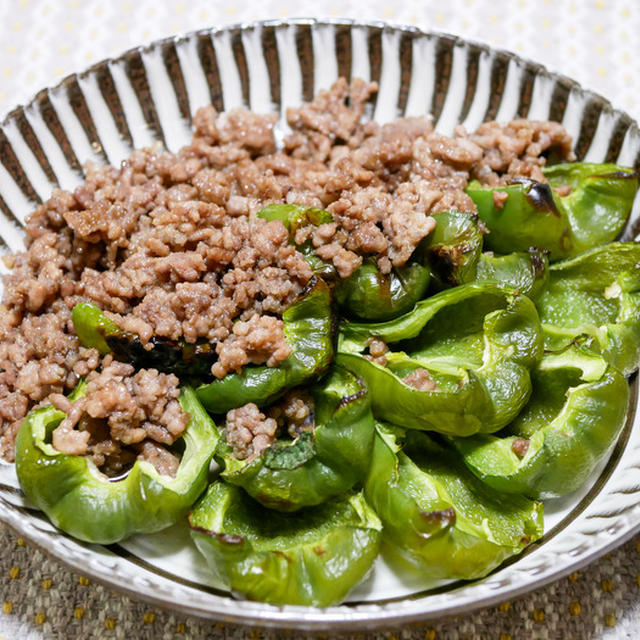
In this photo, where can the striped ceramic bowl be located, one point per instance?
(150, 94)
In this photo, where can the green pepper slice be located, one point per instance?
(311, 557)
(447, 258)
(526, 272)
(84, 503)
(294, 217)
(595, 298)
(437, 516)
(575, 414)
(533, 214)
(478, 342)
(321, 462)
(454, 248)
(368, 294)
(95, 330)
(309, 330)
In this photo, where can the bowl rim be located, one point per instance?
(342, 617)
(382, 25)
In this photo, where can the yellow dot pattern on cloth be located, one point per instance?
(52, 599)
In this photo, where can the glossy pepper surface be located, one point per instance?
(324, 460)
(594, 211)
(311, 557)
(594, 298)
(478, 343)
(81, 501)
(526, 272)
(367, 294)
(437, 515)
(453, 249)
(96, 330)
(575, 415)
(308, 329)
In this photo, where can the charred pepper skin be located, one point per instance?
(594, 299)
(438, 517)
(309, 326)
(453, 249)
(574, 417)
(323, 461)
(526, 272)
(593, 213)
(313, 557)
(478, 341)
(96, 330)
(82, 502)
(367, 294)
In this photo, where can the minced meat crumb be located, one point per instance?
(421, 380)
(516, 149)
(520, 446)
(295, 412)
(499, 199)
(169, 244)
(377, 350)
(121, 407)
(249, 431)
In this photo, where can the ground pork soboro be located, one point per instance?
(516, 149)
(421, 380)
(249, 431)
(122, 413)
(169, 244)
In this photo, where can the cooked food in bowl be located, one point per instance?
(327, 302)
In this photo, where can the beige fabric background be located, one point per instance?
(593, 41)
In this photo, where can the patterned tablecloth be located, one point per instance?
(592, 41)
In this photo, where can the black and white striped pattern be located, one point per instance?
(150, 95)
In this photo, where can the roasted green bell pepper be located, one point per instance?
(309, 330)
(478, 342)
(575, 414)
(294, 217)
(526, 272)
(446, 258)
(595, 298)
(95, 330)
(81, 501)
(312, 557)
(453, 249)
(592, 213)
(321, 462)
(438, 516)
(368, 294)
